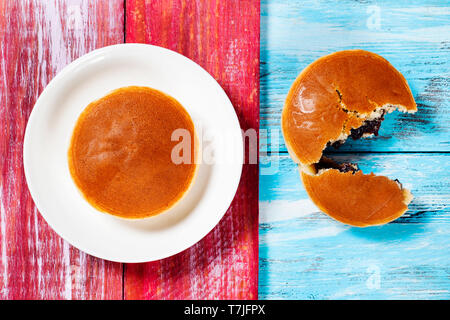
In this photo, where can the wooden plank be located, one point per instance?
(37, 39)
(304, 254)
(413, 35)
(223, 37)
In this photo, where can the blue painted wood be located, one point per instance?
(304, 254)
(413, 35)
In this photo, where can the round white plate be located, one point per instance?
(48, 134)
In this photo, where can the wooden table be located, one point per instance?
(37, 39)
(303, 253)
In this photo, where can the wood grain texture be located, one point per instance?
(413, 35)
(223, 37)
(37, 39)
(304, 254)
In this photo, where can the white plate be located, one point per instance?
(47, 139)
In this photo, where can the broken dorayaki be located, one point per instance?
(346, 194)
(341, 95)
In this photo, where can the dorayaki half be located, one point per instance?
(341, 95)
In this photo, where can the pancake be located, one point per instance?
(337, 94)
(120, 155)
(346, 194)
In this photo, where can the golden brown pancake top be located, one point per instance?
(335, 94)
(356, 199)
(120, 152)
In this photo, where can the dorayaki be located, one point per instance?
(345, 94)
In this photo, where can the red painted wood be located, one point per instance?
(37, 39)
(223, 37)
